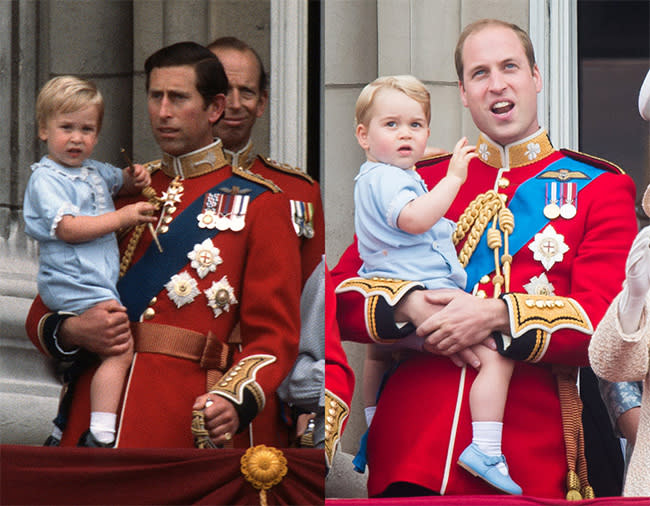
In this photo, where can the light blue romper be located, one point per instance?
(380, 193)
(72, 277)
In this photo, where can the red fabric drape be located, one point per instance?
(35, 475)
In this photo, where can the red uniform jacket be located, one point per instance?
(304, 193)
(423, 422)
(242, 281)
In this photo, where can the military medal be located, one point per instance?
(303, 216)
(569, 198)
(207, 218)
(548, 247)
(221, 296)
(551, 209)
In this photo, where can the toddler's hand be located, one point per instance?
(463, 153)
(140, 175)
(134, 214)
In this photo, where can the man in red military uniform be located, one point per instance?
(216, 308)
(543, 235)
(245, 102)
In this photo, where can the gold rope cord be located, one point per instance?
(578, 486)
(130, 249)
(474, 220)
(486, 207)
(150, 194)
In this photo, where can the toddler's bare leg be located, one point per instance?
(489, 390)
(108, 382)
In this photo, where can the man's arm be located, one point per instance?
(102, 329)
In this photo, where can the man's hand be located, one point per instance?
(419, 307)
(466, 320)
(221, 418)
(103, 329)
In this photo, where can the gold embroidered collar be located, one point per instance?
(194, 164)
(240, 158)
(517, 154)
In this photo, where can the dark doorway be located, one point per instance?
(613, 59)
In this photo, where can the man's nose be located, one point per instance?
(233, 99)
(497, 82)
(165, 108)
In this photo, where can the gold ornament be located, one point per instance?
(263, 466)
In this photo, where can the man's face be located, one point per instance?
(244, 101)
(179, 119)
(498, 86)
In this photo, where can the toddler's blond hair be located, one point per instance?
(411, 86)
(66, 94)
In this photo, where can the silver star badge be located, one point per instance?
(221, 296)
(205, 258)
(181, 289)
(548, 247)
(540, 285)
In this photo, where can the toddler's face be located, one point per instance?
(71, 137)
(397, 132)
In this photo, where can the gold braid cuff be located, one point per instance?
(241, 377)
(392, 290)
(545, 312)
(336, 411)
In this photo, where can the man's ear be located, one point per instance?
(261, 103)
(362, 135)
(217, 107)
(463, 97)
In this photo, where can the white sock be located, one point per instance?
(487, 436)
(102, 426)
(56, 432)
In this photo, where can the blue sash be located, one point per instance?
(146, 278)
(526, 206)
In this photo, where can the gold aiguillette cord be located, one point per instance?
(148, 192)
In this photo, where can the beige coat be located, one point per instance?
(616, 356)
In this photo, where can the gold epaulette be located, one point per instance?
(287, 169)
(153, 166)
(392, 290)
(545, 312)
(256, 178)
(594, 161)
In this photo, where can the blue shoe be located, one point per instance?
(484, 466)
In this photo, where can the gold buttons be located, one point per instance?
(484, 279)
(149, 313)
(503, 182)
(481, 294)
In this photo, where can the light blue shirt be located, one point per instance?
(380, 193)
(72, 277)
